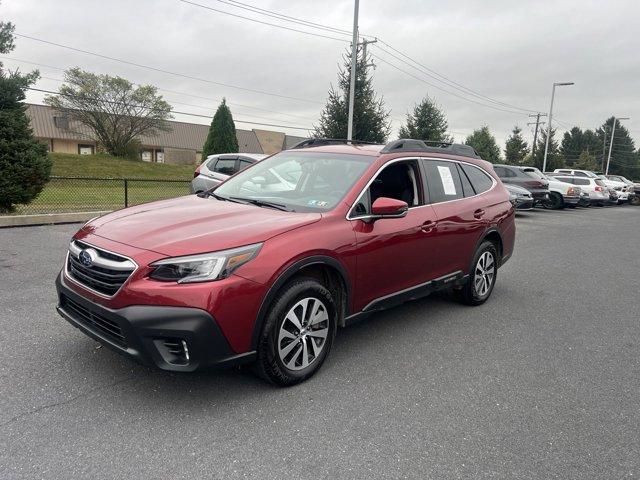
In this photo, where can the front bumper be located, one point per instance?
(148, 334)
(524, 204)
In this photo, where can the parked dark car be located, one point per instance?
(520, 197)
(510, 174)
(265, 268)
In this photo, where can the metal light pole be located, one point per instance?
(354, 61)
(613, 132)
(546, 144)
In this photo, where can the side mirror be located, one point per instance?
(385, 207)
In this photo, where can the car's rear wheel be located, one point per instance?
(635, 200)
(482, 277)
(298, 333)
(554, 202)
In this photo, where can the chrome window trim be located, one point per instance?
(368, 216)
(86, 287)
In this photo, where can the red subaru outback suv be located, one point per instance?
(267, 265)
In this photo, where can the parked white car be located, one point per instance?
(597, 190)
(577, 173)
(561, 194)
(215, 169)
(621, 188)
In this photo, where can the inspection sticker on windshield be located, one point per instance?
(317, 203)
(447, 180)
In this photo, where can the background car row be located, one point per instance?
(562, 188)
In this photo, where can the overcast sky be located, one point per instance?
(509, 51)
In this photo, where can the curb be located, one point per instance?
(47, 219)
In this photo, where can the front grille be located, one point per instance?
(102, 325)
(105, 274)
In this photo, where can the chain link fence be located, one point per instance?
(89, 194)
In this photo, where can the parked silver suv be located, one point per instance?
(217, 168)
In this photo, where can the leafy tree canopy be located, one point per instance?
(116, 111)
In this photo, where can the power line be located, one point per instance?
(447, 81)
(280, 16)
(442, 89)
(261, 22)
(176, 92)
(160, 70)
(183, 113)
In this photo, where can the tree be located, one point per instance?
(516, 149)
(222, 133)
(24, 165)
(426, 122)
(587, 161)
(624, 160)
(554, 159)
(112, 108)
(370, 118)
(485, 144)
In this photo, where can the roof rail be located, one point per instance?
(318, 142)
(412, 145)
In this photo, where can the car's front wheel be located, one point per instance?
(482, 277)
(297, 334)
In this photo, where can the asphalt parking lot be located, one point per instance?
(543, 381)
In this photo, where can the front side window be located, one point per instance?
(443, 181)
(297, 180)
(399, 180)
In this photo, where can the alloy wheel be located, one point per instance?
(484, 274)
(303, 334)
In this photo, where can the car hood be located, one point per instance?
(191, 225)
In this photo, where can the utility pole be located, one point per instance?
(604, 145)
(354, 61)
(364, 44)
(546, 144)
(535, 135)
(613, 132)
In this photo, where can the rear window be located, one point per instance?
(480, 181)
(582, 181)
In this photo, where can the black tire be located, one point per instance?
(468, 294)
(554, 202)
(269, 365)
(635, 201)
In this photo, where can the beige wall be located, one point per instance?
(271, 142)
(179, 156)
(66, 146)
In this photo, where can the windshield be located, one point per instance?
(297, 180)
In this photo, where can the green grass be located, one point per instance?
(71, 195)
(106, 166)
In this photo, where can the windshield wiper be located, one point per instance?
(261, 203)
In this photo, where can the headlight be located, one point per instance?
(204, 267)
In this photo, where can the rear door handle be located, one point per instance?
(428, 226)
(478, 213)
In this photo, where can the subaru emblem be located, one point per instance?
(87, 257)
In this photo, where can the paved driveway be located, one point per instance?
(543, 381)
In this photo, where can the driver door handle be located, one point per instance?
(428, 226)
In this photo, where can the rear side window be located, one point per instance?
(443, 181)
(467, 188)
(225, 166)
(581, 174)
(244, 163)
(481, 181)
(581, 181)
